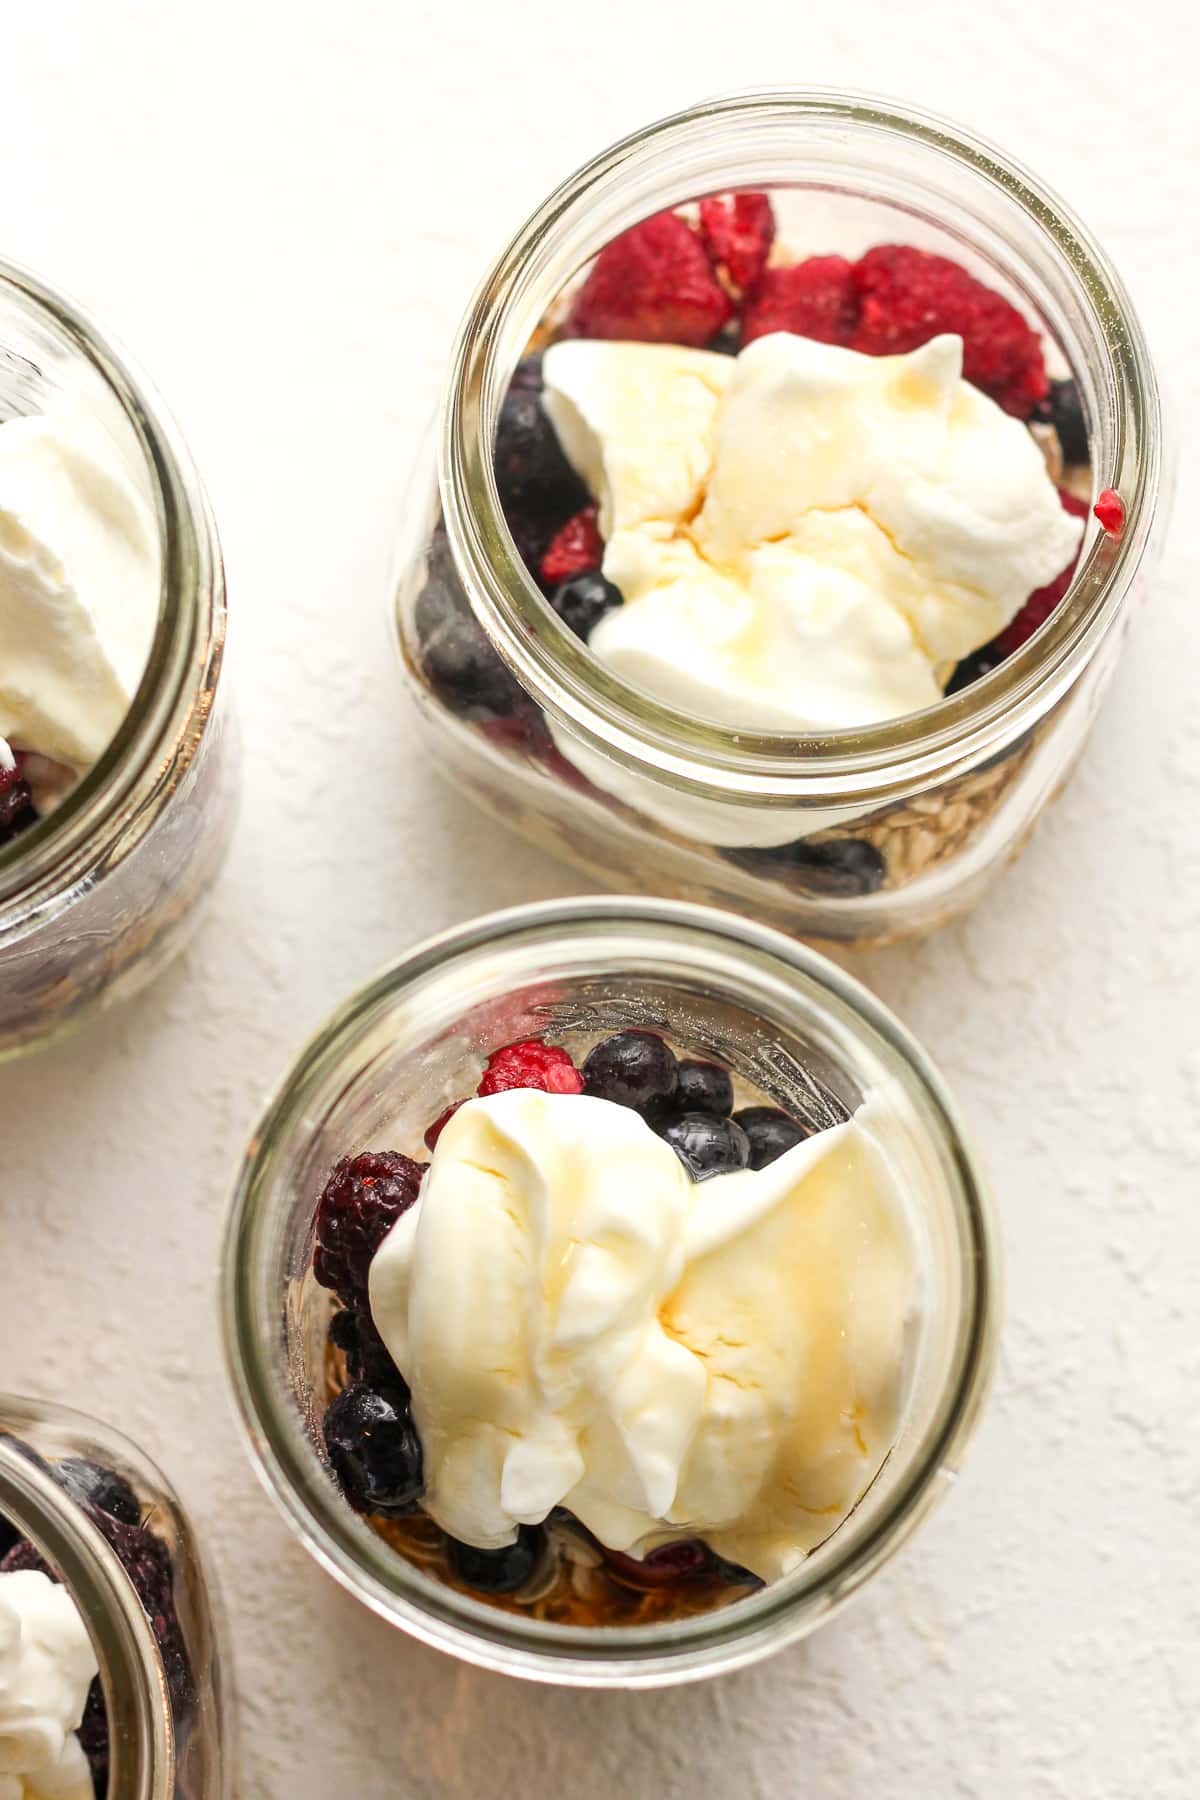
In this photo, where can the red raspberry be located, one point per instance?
(440, 1123)
(814, 299)
(531, 1064)
(653, 285)
(1110, 510)
(1042, 602)
(362, 1200)
(907, 296)
(738, 230)
(575, 548)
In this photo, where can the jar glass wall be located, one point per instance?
(786, 1023)
(856, 836)
(98, 895)
(159, 1718)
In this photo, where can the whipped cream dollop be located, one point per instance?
(806, 538)
(47, 1664)
(583, 1325)
(79, 588)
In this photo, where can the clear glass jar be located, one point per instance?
(102, 891)
(780, 1017)
(648, 798)
(170, 1718)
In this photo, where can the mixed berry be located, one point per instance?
(112, 1505)
(17, 810)
(713, 277)
(372, 1443)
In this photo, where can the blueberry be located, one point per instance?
(582, 602)
(454, 650)
(533, 475)
(497, 1571)
(839, 869)
(374, 1448)
(528, 373)
(770, 1133)
(705, 1145)
(734, 1573)
(633, 1068)
(9, 1535)
(974, 668)
(92, 1485)
(1063, 409)
(703, 1087)
(367, 1356)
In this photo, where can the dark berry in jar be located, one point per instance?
(583, 601)
(706, 1145)
(532, 473)
(838, 869)
(374, 1449)
(497, 1571)
(92, 1485)
(1063, 409)
(703, 1087)
(17, 811)
(363, 1198)
(633, 1068)
(663, 1567)
(456, 654)
(367, 1356)
(769, 1133)
(974, 668)
(528, 374)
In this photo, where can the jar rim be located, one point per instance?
(131, 1668)
(281, 1447)
(37, 866)
(622, 721)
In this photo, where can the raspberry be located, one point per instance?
(654, 285)
(531, 1064)
(1042, 602)
(738, 231)
(363, 1198)
(908, 296)
(1110, 510)
(575, 548)
(813, 299)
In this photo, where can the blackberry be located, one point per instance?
(582, 602)
(374, 1449)
(363, 1198)
(498, 1571)
(706, 1145)
(633, 1068)
(770, 1132)
(839, 869)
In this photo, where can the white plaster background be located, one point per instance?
(282, 209)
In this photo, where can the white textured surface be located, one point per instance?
(282, 208)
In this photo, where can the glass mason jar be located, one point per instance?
(100, 893)
(854, 836)
(780, 1017)
(169, 1716)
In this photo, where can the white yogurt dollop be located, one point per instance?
(807, 539)
(79, 587)
(582, 1324)
(47, 1664)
